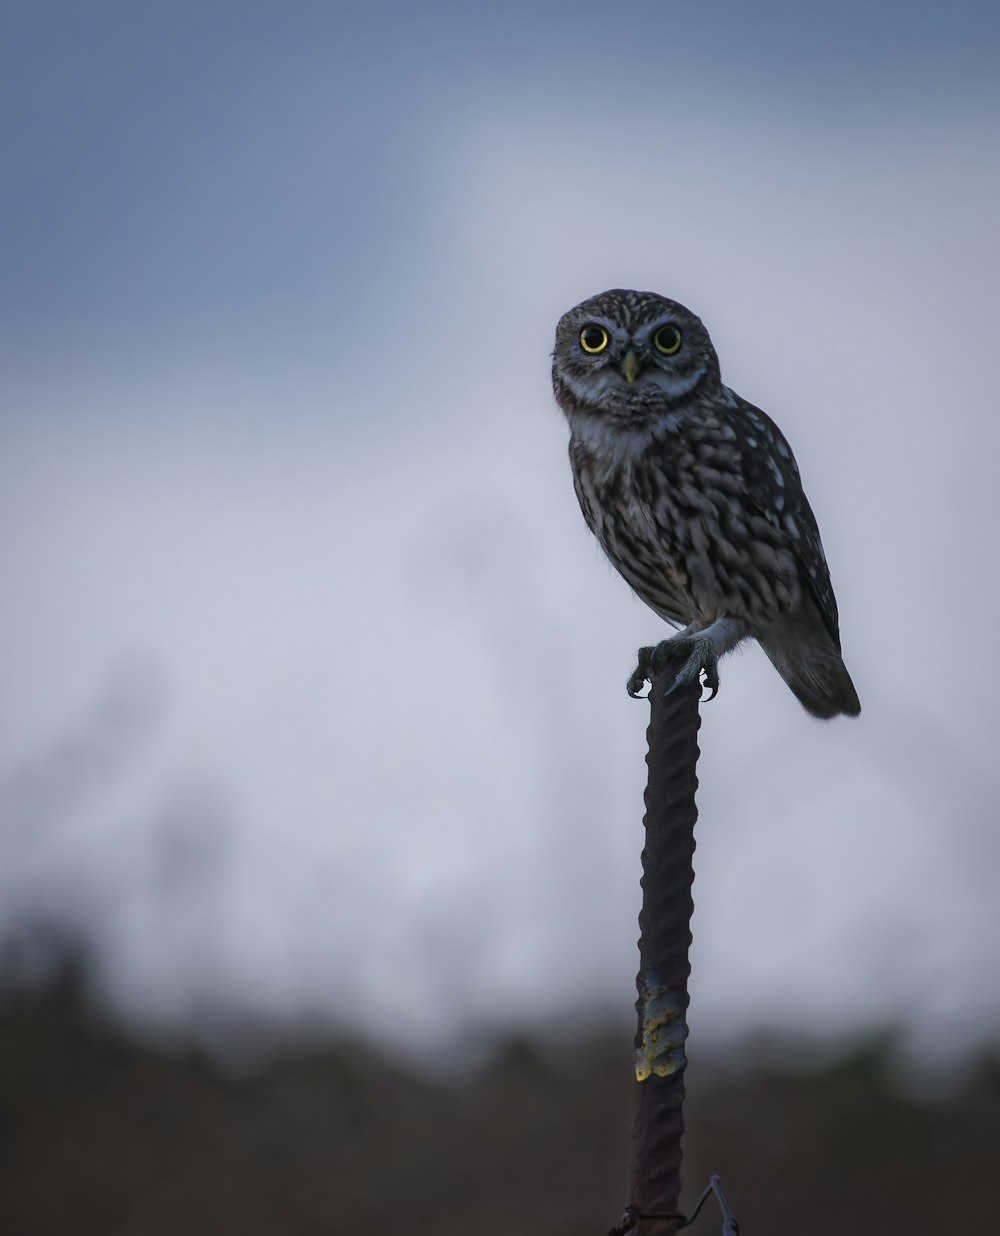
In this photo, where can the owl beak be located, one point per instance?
(630, 366)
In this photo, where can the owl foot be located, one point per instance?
(686, 656)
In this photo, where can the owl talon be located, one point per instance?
(711, 681)
(642, 673)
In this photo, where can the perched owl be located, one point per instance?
(695, 497)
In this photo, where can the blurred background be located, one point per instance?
(312, 676)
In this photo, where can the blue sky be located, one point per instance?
(246, 168)
(295, 581)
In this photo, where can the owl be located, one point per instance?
(695, 497)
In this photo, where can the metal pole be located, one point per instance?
(664, 939)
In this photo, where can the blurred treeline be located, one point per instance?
(101, 1133)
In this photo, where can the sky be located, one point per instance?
(311, 699)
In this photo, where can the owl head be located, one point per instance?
(627, 355)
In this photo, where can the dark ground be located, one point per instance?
(100, 1134)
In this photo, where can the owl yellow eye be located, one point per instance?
(593, 339)
(667, 340)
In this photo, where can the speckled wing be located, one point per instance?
(774, 487)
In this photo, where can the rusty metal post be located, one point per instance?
(664, 939)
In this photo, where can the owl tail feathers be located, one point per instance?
(817, 676)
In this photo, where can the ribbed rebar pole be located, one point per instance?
(664, 939)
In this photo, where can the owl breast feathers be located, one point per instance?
(694, 494)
